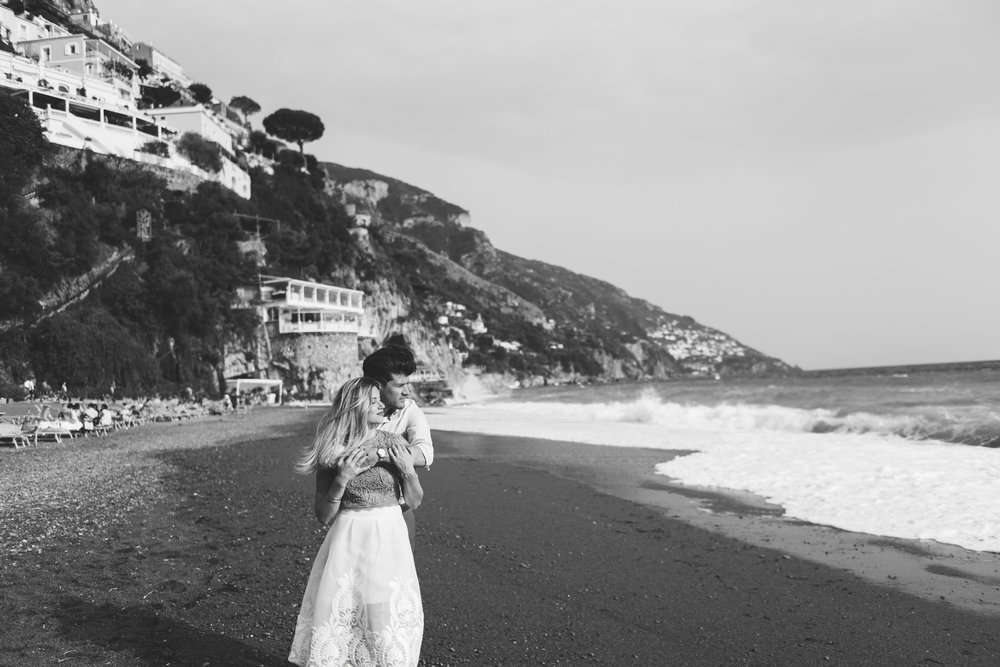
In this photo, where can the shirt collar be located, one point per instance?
(398, 414)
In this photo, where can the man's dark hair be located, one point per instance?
(387, 361)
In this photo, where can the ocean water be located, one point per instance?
(913, 455)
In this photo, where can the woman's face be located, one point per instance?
(376, 410)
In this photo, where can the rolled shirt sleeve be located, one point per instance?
(411, 423)
(418, 434)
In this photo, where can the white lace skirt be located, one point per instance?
(362, 602)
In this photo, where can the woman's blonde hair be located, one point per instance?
(344, 425)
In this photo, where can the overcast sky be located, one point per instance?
(817, 179)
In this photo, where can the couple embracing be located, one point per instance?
(362, 602)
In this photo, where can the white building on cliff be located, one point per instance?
(308, 335)
(299, 306)
(85, 90)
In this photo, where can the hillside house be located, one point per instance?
(232, 121)
(88, 113)
(162, 65)
(201, 121)
(359, 229)
(72, 120)
(361, 219)
(477, 326)
(23, 27)
(78, 111)
(85, 91)
(309, 335)
(195, 119)
(290, 306)
(90, 59)
(298, 306)
(88, 20)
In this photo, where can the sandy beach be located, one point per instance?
(188, 543)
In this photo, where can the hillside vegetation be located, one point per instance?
(86, 302)
(544, 322)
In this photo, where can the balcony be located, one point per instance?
(316, 297)
(300, 322)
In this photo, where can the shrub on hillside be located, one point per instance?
(19, 295)
(202, 93)
(203, 153)
(158, 96)
(22, 145)
(258, 142)
(89, 350)
(159, 320)
(289, 158)
(156, 148)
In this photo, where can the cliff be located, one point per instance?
(88, 299)
(531, 320)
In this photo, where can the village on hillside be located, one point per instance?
(94, 88)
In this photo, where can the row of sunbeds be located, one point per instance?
(29, 430)
(25, 431)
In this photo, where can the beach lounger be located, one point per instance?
(53, 431)
(17, 435)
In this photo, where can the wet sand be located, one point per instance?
(927, 569)
(529, 553)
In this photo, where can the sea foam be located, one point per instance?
(650, 409)
(855, 471)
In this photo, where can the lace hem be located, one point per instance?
(360, 634)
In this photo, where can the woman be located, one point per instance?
(362, 601)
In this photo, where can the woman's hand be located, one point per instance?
(350, 464)
(400, 455)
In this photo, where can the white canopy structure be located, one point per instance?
(248, 384)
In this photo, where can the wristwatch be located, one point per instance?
(382, 454)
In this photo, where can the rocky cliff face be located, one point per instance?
(390, 313)
(364, 193)
(501, 313)
(164, 311)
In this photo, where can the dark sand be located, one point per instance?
(190, 544)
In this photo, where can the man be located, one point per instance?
(392, 366)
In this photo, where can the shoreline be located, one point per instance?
(928, 569)
(189, 543)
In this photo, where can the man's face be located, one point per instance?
(395, 392)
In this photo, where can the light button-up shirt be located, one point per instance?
(411, 423)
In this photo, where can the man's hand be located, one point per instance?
(400, 455)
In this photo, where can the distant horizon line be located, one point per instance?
(942, 365)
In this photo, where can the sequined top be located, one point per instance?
(378, 486)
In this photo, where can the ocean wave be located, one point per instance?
(736, 416)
